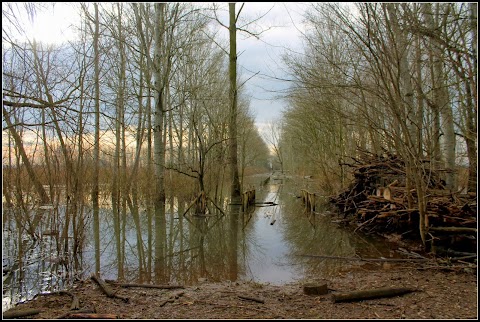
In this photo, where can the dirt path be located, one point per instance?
(441, 295)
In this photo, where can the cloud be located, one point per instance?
(264, 55)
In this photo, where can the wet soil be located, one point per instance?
(442, 293)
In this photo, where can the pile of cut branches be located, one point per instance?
(379, 201)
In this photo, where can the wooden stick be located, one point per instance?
(190, 206)
(366, 222)
(393, 184)
(20, 313)
(370, 294)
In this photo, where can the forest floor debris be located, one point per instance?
(441, 294)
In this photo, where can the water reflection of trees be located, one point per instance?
(201, 246)
(321, 237)
(35, 264)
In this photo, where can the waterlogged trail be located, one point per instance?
(279, 234)
(260, 244)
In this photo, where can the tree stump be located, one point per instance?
(320, 288)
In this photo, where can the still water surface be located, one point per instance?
(263, 244)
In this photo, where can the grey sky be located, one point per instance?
(255, 55)
(264, 55)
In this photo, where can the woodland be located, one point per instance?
(148, 103)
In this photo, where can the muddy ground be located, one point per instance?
(443, 292)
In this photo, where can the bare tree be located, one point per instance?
(378, 83)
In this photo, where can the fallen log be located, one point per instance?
(387, 193)
(442, 251)
(265, 204)
(12, 314)
(368, 259)
(454, 229)
(463, 258)
(251, 298)
(370, 294)
(106, 289)
(392, 200)
(126, 285)
(91, 316)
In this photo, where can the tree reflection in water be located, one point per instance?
(235, 245)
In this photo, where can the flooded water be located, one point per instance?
(264, 244)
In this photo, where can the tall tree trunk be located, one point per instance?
(445, 109)
(96, 146)
(435, 149)
(471, 122)
(235, 181)
(472, 105)
(405, 142)
(420, 96)
(441, 98)
(133, 183)
(118, 195)
(159, 150)
(78, 220)
(150, 186)
(123, 154)
(405, 88)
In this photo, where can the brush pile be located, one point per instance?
(379, 201)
